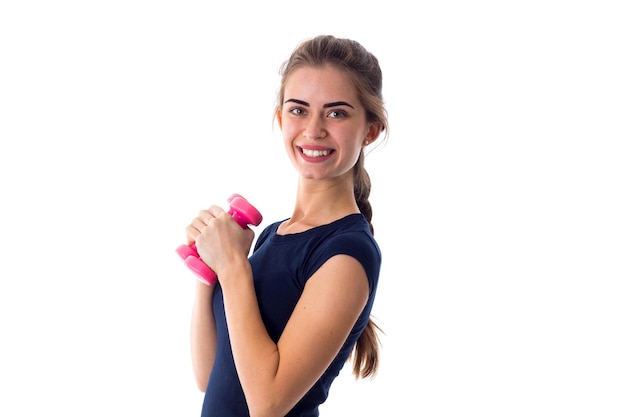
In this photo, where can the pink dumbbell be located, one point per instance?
(244, 214)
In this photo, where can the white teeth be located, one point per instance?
(315, 153)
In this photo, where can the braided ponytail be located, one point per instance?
(365, 353)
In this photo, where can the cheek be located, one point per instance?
(289, 131)
(350, 151)
(355, 155)
(287, 135)
(352, 141)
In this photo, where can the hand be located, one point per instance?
(219, 239)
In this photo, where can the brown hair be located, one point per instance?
(363, 68)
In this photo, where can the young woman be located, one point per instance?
(271, 336)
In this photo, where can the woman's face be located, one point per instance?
(323, 122)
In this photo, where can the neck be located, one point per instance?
(319, 203)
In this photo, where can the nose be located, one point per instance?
(314, 129)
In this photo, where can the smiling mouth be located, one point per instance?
(316, 153)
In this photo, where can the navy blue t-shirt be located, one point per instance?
(281, 266)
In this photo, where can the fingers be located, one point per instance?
(210, 213)
(201, 221)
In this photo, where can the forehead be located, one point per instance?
(322, 84)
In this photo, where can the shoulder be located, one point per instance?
(352, 237)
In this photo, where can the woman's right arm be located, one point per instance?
(203, 329)
(203, 334)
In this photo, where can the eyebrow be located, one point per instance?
(327, 105)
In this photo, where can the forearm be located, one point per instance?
(203, 335)
(255, 353)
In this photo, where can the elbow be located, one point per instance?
(201, 381)
(264, 413)
(266, 409)
(201, 372)
(201, 387)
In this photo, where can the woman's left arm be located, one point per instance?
(275, 376)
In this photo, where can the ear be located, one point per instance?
(279, 118)
(373, 132)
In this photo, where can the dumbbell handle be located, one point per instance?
(244, 214)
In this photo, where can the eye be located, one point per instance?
(296, 111)
(334, 114)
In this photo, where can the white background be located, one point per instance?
(499, 198)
